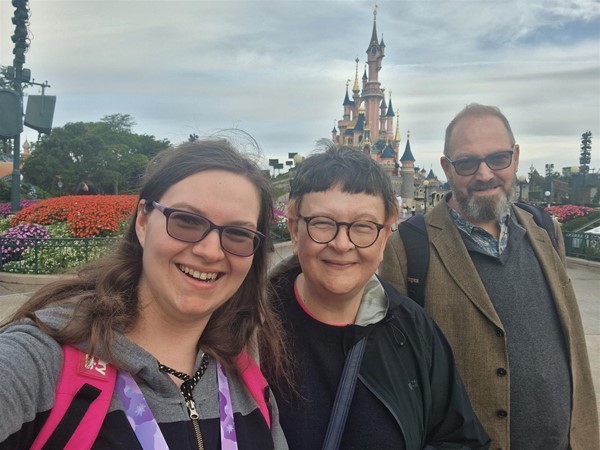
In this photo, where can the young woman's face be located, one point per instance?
(183, 281)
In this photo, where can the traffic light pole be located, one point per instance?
(15, 195)
(20, 20)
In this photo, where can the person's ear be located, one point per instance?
(385, 233)
(447, 166)
(516, 153)
(141, 222)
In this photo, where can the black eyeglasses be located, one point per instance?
(495, 161)
(189, 227)
(362, 233)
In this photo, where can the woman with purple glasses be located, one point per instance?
(174, 310)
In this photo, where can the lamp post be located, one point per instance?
(426, 197)
(574, 182)
(60, 186)
(522, 181)
(547, 194)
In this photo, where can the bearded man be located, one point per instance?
(499, 290)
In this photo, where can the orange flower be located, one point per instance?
(86, 216)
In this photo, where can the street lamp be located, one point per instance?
(426, 184)
(60, 186)
(547, 194)
(522, 181)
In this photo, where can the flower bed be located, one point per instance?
(20, 238)
(56, 234)
(564, 213)
(85, 215)
(6, 208)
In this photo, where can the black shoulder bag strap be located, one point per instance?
(416, 245)
(542, 219)
(343, 396)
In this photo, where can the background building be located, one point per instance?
(368, 125)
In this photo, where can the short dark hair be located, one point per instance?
(354, 171)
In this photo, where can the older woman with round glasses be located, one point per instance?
(372, 370)
(174, 311)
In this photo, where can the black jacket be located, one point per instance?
(409, 395)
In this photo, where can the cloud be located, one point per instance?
(278, 69)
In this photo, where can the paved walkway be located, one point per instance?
(585, 275)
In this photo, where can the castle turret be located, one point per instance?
(407, 171)
(372, 93)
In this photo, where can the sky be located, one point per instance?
(277, 69)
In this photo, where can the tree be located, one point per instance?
(585, 154)
(106, 153)
(119, 123)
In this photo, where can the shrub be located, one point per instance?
(581, 223)
(85, 215)
(21, 238)
(564, 213)
(52, 258)
(4, 224)
(6, 208)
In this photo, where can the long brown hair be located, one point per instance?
(105, 293)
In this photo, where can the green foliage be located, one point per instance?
(4, 224)
(5, 190)
(26, 191)
(54, 259)
(106, 153)
(580, 223)
(61, 252)
(278, 191)
(280, 232)
(59, 230)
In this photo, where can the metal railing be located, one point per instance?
(582, 245)
(54, 255)
(45, 256)
(58, 255)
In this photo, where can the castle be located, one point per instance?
(368, 125)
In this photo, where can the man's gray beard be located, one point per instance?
(484, 209)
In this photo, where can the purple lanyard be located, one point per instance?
(144, 424)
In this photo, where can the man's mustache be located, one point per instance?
(482, 185)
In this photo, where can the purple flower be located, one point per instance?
(17, 239)
(6, 208)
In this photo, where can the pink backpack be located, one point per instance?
(84, 392)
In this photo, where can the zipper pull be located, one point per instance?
(192, 409)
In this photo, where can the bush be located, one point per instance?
(21, 237)
(52, 258)
(564, 213)
(93, 216)
(581, 223)
(6, 208)
(85, 215)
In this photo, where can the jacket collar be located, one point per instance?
(443, 236)
(373, 305)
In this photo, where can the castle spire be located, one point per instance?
(374, 40)
(356, 88)
(397, 137)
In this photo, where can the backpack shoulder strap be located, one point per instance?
(416, 243)
(255, 382)
(83, 395)
(542, 219)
